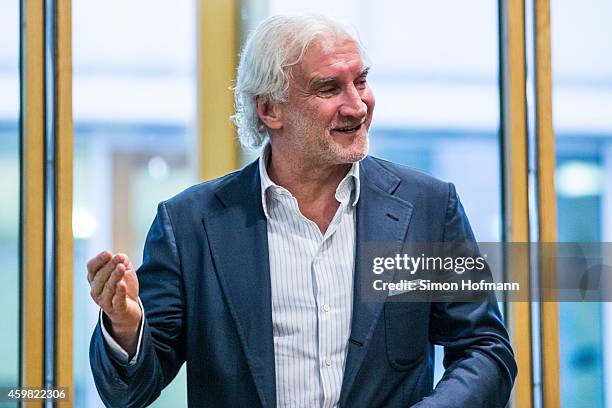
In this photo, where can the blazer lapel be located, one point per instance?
(237, 235)
(381, 218)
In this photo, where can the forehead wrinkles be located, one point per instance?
(321, 54)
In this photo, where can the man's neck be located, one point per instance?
(313, 186)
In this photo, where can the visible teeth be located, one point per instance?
(348, 129)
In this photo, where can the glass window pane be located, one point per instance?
(134, 112)
(9, 180)
(582, 102)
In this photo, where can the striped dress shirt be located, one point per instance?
(312, 292)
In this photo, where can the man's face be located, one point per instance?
(329, 106)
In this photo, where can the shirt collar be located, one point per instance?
(348, 186)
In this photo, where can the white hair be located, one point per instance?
(277, 44)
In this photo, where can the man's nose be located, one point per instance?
(353, 105)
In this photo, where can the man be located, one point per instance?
(253, 278)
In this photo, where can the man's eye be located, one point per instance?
(361, 83)
(327, 90)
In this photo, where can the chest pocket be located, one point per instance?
(406, 332)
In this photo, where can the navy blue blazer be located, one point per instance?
(205, 288)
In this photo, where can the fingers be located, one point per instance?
(100, 278)
(121, 258)
(120, 298)
(106, 297)
(96, 263)
(102, 275)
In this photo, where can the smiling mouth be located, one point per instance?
(347, 129)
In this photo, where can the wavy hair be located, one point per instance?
(277, 44)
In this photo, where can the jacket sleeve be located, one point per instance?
(162, 349)
(478, 359)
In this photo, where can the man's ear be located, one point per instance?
(269, 112)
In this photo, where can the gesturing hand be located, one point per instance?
(114, 287)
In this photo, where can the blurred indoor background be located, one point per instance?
(435, 75)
